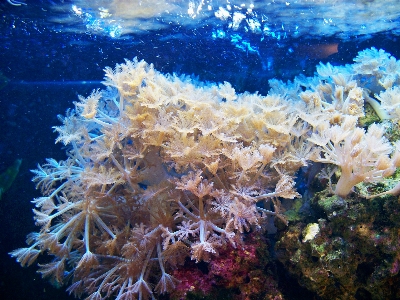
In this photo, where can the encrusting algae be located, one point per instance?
(161, 168)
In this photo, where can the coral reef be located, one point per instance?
(162, 169)
(237, 273)
(355, 253)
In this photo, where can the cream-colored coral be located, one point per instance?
(390, 101)
(162, 168)
(362, 155)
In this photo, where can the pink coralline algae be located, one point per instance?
(193, 280)
(234, 265)
(237, 271)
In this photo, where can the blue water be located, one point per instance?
(52, 51)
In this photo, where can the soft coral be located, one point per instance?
(361, 155)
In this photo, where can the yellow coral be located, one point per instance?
(310, 232)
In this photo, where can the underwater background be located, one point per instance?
(53, 51)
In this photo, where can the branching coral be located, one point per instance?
(162, 168)
(159, 169)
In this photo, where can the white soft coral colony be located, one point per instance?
(161, 168)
